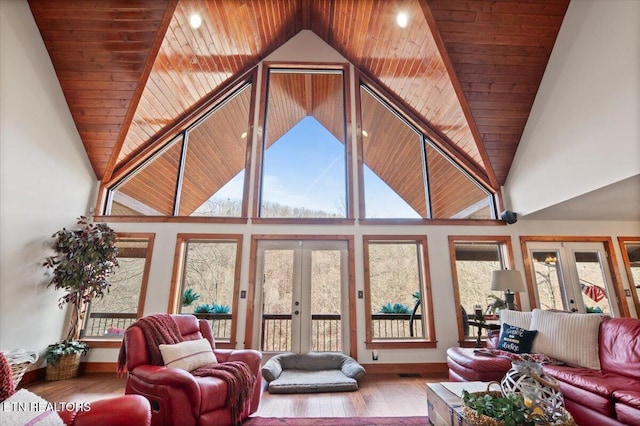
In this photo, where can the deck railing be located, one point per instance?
(327, 330)
(108, 324)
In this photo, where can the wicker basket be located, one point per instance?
(473, 418)
(19, 360)
(66, 368)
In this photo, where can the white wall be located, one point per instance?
(583, 132)
(46, 180)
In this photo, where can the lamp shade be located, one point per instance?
(507, 280)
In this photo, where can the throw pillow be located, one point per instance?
(516, 318)
(569, 337)
(516, 339)
(188, 355)
(26, 408)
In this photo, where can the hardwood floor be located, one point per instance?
(386, 395)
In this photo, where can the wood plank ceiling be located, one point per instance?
(468, 69)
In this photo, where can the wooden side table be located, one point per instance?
(444, 406)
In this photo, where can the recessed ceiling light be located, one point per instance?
(365, 133)
(243, 135)
(195, 20)
(402, 19)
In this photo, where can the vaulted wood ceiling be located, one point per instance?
(469, 69)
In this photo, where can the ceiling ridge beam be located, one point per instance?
(137, 95)
(466, 109)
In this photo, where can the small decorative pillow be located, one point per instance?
(26, 408)
(188, 355)
(516, 339)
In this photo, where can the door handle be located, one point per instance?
(297, 303)
(297, 312)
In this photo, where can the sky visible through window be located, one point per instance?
(306, 168)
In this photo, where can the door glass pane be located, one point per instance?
(548, 278)
(633, 255)
(592, 282)
(277, 294)
(326, 332)
(395, 282)
(304, 154)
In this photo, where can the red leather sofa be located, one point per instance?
(609, 396)
(119, 411)
(177, 397)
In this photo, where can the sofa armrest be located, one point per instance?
(120, 411)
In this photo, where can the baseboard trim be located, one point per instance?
(416, 368)
(435, 368)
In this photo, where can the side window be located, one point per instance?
(397, 292)
(209, 281)
(474, 260)
(107, 318)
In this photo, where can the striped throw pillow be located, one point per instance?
(188, 355)
(569, 337)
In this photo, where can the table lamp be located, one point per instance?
(507, 280)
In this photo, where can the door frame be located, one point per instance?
(612, 263)
(253, 317)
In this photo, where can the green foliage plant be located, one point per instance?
(206, 308)
(510, 409)
(66, 347)
(189, 296)
(396, 308)
(495, 304)
(83, 260)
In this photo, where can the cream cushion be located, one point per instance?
(516, 318)
(569, 337)
(26, 408)
(188, 355)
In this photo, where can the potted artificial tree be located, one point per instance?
(83, 260)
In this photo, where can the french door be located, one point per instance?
(302, 296)
(572, 276)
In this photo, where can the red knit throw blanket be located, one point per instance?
(6, 379)
(162, 329)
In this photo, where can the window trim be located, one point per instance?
(429, 340)
(178, 272)
(507, 254)
(116, 342)
(627, 266)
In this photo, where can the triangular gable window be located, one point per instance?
(405, 176)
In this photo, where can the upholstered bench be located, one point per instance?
(312, 372)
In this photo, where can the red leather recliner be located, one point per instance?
(177, 397)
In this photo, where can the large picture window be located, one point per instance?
(397, 291)
(475, 259)
(108, 317)
(209, 280)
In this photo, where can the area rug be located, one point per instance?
(337, 421)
